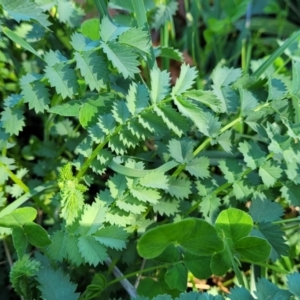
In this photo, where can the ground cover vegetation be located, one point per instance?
(149, 149)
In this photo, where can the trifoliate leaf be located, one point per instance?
(265, 211)
(91, 29)
(223, 76)
(179, 188)
(136, 38)
(18, 217)
(36, 235)
(269, 173)
(54, 284)
(69, 13)
(266, 289)
(160, 84)
(93, 68)
(253, 155)
(198, 167)
(181, 150)
(166, 207)
(112, 237)
(110, 31)
(12, 120)
(122, 58)
(63, 78)
(25, 10)
(171, 118)
(186, 79)
(192, 112)
(207, 98)
(275, 236)
(137, 98)
(91, 250)
(176, 277)
(92, 218)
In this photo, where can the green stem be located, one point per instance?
(141, 272)
(265, 265)
(287, 221)
(15, 179)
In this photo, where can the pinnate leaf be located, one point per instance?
(186, 79)
(122, 58)
(269, 173)
(160, 84)
(113, 237)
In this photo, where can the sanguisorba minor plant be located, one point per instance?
(116, 184)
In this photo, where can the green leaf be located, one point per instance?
(253, 248)
(181, 150)
(238, 293)
(122, 58)
(186, 79)
(223, 76)
(207, 98)
(160, 84)
(176, 277)
(275, 236)
(253, 155)
(36, 235)
(91, 250)
(265, 210)
(79, 42)
(269, 173)
(192, 112)
(234, 224)
(166, 207)
(72, 249)
(277, 88)
(18, 40)
(220, 263)
(25, 10)
(93, 68)
(171, 118)
(110, 31)
(12, 120)
(136, 38)
(145, 194)
(210, 205)
(194, 235)
(57, 249)
(69, 13)
(248, 101)
(92, 218)
(20, 241)
(229, 98)
(179, 188)
(155, 179)
(231, 169)
(293, 283)
(137, 98)
(199, 266)
(120, 112)
(91, 28)
(113, 237)
(63, 78)
(164, 13)
(35, 93)
(18, 217)
(291, 193)
(54, 284)
(266, 289)
(198, 167)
